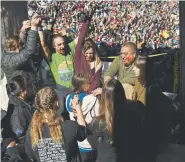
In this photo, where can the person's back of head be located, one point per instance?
(115, 112)
(112, 103)
(80, 82)
(17, 86)
(46, 113)
(12, 43)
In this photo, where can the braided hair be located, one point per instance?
(46, 113)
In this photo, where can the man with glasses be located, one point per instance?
(122, 65)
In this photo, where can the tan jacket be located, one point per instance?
(139, 92)
(125, 74)
(129, 90)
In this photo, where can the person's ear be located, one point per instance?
(53, 43)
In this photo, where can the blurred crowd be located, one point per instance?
(151, 24)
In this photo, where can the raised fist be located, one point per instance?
(26, 24)
(35, 20)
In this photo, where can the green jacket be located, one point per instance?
(62, 67)
(125, 74)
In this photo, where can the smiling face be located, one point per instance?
(59, 45)
(127, 54)
(89, 54)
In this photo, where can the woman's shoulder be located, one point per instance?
(72, 131)
(70, 126)
(70, 123)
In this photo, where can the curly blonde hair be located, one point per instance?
(46, 104)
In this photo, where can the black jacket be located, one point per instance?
(20, 118)
(64, 151)
(12, 61)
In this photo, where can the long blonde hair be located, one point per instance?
(46, 104)
(112, 101)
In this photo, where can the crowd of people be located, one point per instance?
(152, 24)
(70, 111)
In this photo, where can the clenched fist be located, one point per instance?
(35, 20)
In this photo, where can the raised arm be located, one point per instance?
(43, 44)
(22, 33)
(112, 70)
(78, 57)
(32, 38)
(30, 46)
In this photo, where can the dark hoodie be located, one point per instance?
(20, 118)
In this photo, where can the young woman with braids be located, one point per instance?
(49, 138)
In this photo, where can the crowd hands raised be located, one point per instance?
(152, 25)
(85, 115)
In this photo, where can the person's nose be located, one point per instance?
(87, 55)
(62, 46)
(123, 56)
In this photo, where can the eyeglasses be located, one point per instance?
(126, 53)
